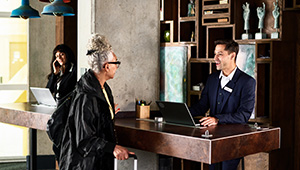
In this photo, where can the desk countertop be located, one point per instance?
(228, 141)
(25, 114)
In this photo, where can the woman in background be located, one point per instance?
(63, 76)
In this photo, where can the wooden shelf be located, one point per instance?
(187, 19)
(216, 16)
(168, 44)
(214, 13)
(193, 92)
(212, 2)
(214, 7)
(201, 60)
(255, 41)
(263, 60)
(188, 43)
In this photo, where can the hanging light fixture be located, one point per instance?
(25, 11)
(65, 1)
(58, 8)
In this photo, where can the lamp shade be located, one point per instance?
(58, 8)
(25, 11)
(65, 1)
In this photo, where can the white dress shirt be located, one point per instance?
(226, 79)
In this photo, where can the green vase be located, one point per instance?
(167, 35)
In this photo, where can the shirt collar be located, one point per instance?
(230, 76)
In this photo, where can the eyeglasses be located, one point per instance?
(115, 62)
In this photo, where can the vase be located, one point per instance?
(167, 35)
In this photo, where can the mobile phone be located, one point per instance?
(57, 64)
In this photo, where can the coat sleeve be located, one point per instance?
(85, 123)
(51, 82)
(202, 106)
(246, 105)
(67, 83)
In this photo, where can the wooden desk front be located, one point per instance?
(228, 141)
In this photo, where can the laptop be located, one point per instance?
(43, 96)
(177, 113)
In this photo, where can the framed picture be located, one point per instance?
(246, 59)
(246, 62)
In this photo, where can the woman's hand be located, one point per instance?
(116, 109)
(56, 67)
(121, 153)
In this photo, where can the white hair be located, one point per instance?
(99, 51)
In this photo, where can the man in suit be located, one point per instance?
(229, 93)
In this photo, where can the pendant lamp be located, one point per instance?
(65, 1)
(25, 11)
(58, 8)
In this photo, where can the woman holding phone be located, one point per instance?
(63, 76)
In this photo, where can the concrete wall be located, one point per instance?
(41, 43)
(132, 28)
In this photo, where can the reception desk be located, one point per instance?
(227, 141)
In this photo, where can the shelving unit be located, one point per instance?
(291, 4)
(253, 22)
(263, 60)
(185, 30)
(216, 13)
(164, 26)
(297, 3)
(217, 32)
(201, 50)
(274, 66)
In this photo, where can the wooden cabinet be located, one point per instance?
(291, 4)
(216, 12)
(183, 29)
(274, 59)
(253, 22)
(200, 67)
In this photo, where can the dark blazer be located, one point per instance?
(237, 105)
(67, 84)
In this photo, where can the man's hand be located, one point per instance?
(209, 121)
(121, 153)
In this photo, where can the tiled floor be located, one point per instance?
(13, 166)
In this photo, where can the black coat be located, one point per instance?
(89, 139)
(67, 84)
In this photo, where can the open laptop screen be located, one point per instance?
(43, 96)
(176, 113)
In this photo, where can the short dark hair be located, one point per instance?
(230, 46)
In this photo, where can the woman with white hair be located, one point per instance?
(89, 141)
